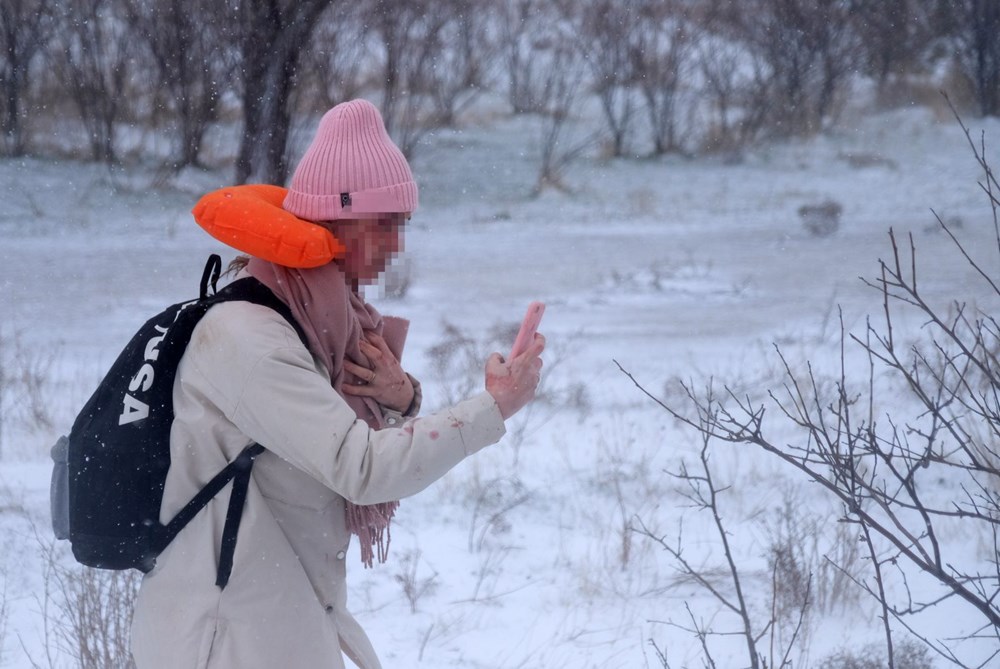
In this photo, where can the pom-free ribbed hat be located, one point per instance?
(351, 169)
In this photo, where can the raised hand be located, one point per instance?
(513, 382)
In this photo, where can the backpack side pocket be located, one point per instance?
(59, 488)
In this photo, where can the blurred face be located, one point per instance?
(371, 244)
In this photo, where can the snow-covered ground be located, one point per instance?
(520, 556)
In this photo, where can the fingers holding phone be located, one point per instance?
(514, 380)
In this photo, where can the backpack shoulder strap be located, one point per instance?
(210, 276)
(237, 471)
(247, 289)
(250, 290)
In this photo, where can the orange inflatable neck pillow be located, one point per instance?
(250, 218)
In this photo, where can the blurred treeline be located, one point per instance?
(667, 75)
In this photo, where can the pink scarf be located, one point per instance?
(335, 318)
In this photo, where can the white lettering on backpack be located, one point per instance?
(134, 409)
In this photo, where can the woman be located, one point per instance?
(336, 420)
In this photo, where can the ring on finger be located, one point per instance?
(371, 379)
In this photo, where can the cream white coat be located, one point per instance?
(246, 377)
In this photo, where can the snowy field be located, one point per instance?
(522, 556)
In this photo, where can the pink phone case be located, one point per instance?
(528, 328)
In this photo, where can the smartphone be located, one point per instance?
(529, 326)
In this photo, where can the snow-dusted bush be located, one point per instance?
(901, 434)
(24, 386)
(909, 655)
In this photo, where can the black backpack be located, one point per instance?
(108, 475)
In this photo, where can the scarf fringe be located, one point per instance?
(371, 525)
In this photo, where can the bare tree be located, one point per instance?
(524, 28)
(736, 86)
(660, 64)
(563, 74)
(808, 46)
(703, 493)
(546, 70)
(894, 35)
(465, 65)
(25, 28)
(883, 464)
(339, 62)
(973, 26)
(437, 57)
(92, 60)
(184, 39)
(410, 33)
(606, 34)
(271, 36)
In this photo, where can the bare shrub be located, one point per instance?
(488, 574)
(523, 29)
(340, 60)
(909, 655)
(606, 34)
(893, 39)
(93, 59)
(770, 641)
(925, 91)
(24, 386)
(661, 275)
(810, 562)
(884, 465)
(25, 28)
(624, 475)
(491, 501)
(789, 535)
(98, 606)
(436, 59)
(188, 51)
(821, 219)
(862, 159)
(661, 61)
(972, 26)
(6, 382)
(86, 613)
(807, 50)
(414, 586)
(456, 362)
(557, 98)
(4, 611)
(545, 70)
(410, 37)
(467, 62)
(735, 85)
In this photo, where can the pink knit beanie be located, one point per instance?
(351, 169)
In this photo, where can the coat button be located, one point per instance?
(391, 421)
(329, 608)
(341, 555)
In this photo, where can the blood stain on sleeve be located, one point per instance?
(434, 434)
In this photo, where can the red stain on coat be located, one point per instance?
(434, 434)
